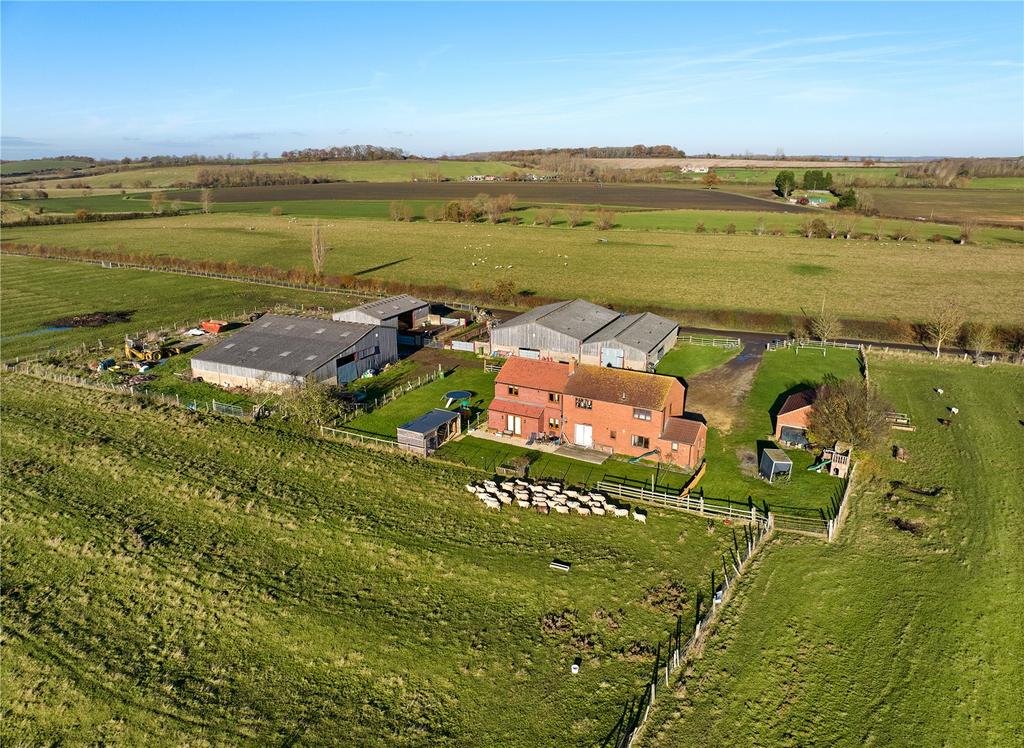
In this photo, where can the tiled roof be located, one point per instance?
(797, 401)
(516, 408)
(682, 430)
(621, 386)
(538, 375)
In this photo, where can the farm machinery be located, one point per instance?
(141, 350)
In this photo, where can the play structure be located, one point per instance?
(694, 479)
(459, 396)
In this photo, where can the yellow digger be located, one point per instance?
(139, 350)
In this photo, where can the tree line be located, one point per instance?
(630, 151)
(346, 153)
(951, 172)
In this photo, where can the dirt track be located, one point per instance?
(634, 196)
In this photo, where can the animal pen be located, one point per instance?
(427, 433)
(775, 465)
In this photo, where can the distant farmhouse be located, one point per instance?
(612, 410)
(403, 312)
(693, 169)
(277, 351)
(588, 333)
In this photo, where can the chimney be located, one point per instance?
(572, 366)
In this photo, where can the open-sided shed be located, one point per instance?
(775, 464)
(427, 433)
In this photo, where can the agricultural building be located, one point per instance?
(792, 419)
(775, 465)
(280, 351)
(611, 410)
(588, 333)
(404, 312)
(424, 435)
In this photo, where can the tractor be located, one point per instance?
(139, 350)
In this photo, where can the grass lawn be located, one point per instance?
(211, 582)
(688, 359)
(864, 279)
(467, 374)
(889, 636)
(37, 292)
(30, 166)
(781, 373)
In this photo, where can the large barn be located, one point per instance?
(278, 351)
(588, 333)
(404, 312)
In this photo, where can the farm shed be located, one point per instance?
(279, 351)
(404, 312)
(428, 432)
(589, 333)
(775, 464)
(633, 341)
(792, 419)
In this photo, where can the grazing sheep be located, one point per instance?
(505, 498)
(573, 504)
(571, 494)
(582, 510)
(508, 485)
(561, 509)
(523, 503)
(492, 504)
(542, 508)
(640, 516)
(598, 510)
(621, 512)
(557, 499)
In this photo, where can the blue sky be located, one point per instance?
(860, 79)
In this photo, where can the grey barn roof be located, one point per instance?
(286, 345)
(641, 331)
(429, 421)
(578, 318)
(390, 307)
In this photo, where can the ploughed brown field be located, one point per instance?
(624, 195)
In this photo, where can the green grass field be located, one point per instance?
(34, 292)
(30, 166)
(887, 637)
(780, 373)
(468, 374)
(352, 171)
(687, 359)
(863, 279)
(179, 578)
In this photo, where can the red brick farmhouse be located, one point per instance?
(613, 410)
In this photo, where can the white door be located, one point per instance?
(515, 425)
(584, 435)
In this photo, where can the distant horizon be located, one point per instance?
(884, 80)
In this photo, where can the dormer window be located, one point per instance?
(513, 390)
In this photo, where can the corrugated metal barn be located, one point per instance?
(280, 351)
(586, 332)
(633, 341)
(404, 312)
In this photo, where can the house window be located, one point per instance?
(583, 404)
(513, 390)
(641, 441)
(554, 397)
(552, 423)
(641, 414)
(675, 446)
(611, 434)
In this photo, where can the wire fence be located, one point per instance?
(677, 652)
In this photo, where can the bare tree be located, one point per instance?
(156, 201)
(848, 411)
(574, 215)
(545, 217)
(878, 232)
(408, 213)
(395, 210)
(980, 339)
(967, 227)
(901, 233)
(759, 228)
(206, 199)
(825, 325)
(849, 228)
(318, 249)
(430, 212)
(944, 323)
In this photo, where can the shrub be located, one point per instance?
(936, 238)
(730, 229)
(276, 210)
(701, 228)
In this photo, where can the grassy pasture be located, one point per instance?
(353, 171)
(992, 205)
(888, 636)
(201, 580)
(863, 279)
(30, 166)
(687, 360)
(35, 292)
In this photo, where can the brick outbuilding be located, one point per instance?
(792, 419)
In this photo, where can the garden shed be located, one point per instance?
(403, 312)
(424, 435)
(775, 465)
